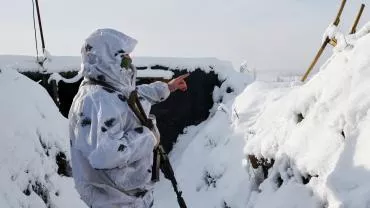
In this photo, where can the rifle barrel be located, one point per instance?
(168, 172)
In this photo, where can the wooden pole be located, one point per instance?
(337, 18)
(40, 26)
(357, 20)
(313, 63)
(325, 43)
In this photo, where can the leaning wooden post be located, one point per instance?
(357, 20)
(325, 43)
(313, 63)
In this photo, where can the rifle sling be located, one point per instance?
(133, 102)
(137, 108)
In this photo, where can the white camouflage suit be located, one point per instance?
(112, 153)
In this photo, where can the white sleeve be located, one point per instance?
(155, 92)
(113, 146)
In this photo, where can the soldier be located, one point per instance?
(112, 152)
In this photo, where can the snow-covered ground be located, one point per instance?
(33, 133)
(318, 129)
(315, 135)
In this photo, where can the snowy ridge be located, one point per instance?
(28, 63)
(33, 135)
(207, 163)
(311, 138)
(223, 69)
(316, 133)
(207, 157)
(72, 63)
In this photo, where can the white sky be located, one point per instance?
(268, 34)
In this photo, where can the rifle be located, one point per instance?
(168, 173)
(160, 158)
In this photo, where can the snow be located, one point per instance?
(43, 118)
(148, 73)
(57, 64)
(29, 63)
(317, 130)
(205, 169)
(330, 32)
(330, 142)
(314, 134)
(72, 63)
(33, 133)
(155, 73)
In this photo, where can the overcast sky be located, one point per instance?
(268, 34)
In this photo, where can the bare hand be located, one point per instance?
(178, 83)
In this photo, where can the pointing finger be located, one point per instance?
(183, 76)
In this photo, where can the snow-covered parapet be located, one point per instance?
(149, 73)
(148, 66)
(315, 136)
(72, 63)
(29, 63)
(34, 147)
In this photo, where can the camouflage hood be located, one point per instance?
(101, 59)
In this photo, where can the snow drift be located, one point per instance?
(34, 147)
(311, 140)
(44, 185)
(315, 136)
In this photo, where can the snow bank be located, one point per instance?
(207, 157)
(39, 133)
(207, 163)
(315, 135)
(29, 63)
(34, 138)
(154, 67)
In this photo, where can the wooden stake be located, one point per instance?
(313, 63)
(357, 20)
(337, 19)
(325, 43)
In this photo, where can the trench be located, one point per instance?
(180, 110)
